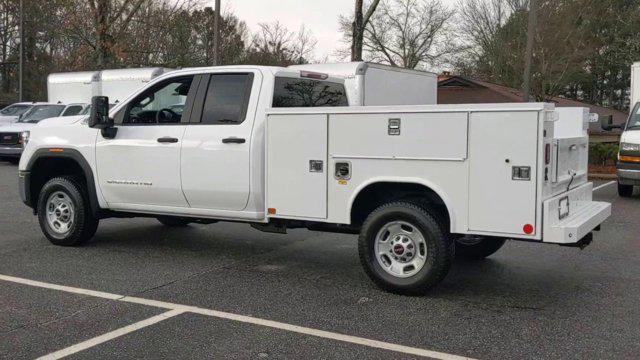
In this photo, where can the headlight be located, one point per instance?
(24, 138)
(629, 147)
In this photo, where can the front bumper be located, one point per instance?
(584, 216)
(628, 173)
(10, 151)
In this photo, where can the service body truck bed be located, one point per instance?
(486, 162)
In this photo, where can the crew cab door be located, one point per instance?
(216, 151)
(141, 165)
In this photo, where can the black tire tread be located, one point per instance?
(487, 247)
(86, 224)
(625, 190)
(445, 249)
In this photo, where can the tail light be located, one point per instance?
(313, 75)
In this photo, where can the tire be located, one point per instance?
(479, 249)
(174, 221)
(625, 190)
(431, 247)
(64, 213)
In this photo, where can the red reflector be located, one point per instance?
(547, 154)
(528, 229)
(271, 211)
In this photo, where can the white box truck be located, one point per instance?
(73, 87)
(370, 84)
(80, 87)
(281, 149)
(628, 165)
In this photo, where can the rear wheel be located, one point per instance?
(477, 247)
(404, 249)
(174, 221)
(64, 213)
(625, 190)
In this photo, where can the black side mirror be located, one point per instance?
(99, 117)
(606, 122)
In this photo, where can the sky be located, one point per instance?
(319, 16)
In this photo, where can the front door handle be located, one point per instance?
(167, 140)
(233, 140)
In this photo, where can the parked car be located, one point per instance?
(13, 135)
(13, 112)
(281, 149)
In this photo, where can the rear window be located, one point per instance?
(41, 112)
(294, 92)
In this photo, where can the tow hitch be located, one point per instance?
(583, 243)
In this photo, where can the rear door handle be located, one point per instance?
(233, 140)
(167, 140)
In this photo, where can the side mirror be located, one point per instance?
(99, 117)
(606, 122)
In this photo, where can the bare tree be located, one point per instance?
(274, 44)
(410, 33)
(360, 22)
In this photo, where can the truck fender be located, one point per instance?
(414, 181)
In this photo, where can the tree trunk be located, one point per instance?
(358, 32)
(103, 44)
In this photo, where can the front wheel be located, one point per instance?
(404, 249)
(625, 190)
(63, 212)
(477, 247)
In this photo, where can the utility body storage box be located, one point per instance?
(488, 164)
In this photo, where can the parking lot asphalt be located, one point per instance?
(528, 301)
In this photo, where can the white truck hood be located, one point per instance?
(64, 120)
(16, 127)
(5, 120)
(58, 121)
(631, 136)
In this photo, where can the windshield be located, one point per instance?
(41, 112)
(15, 110)
(634, 118)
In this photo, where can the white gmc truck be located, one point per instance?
(281, 149)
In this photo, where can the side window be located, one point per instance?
(161, 104)
(227, 99)
(72, 110)
(295, 92)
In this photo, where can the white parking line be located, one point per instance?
(179, 309)
(110, 335)
(605, 185)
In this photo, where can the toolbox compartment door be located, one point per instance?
(499, 202)
(297, 166)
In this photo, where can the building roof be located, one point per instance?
(494, 92)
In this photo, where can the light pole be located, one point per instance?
(531, 33)
(21, 51)
(216, 33)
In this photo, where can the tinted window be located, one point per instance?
(158, 104)
(293, 92)
(227, 99)
(41, 112)
(15, 110)
(72, 110)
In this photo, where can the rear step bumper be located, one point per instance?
(584, 216)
